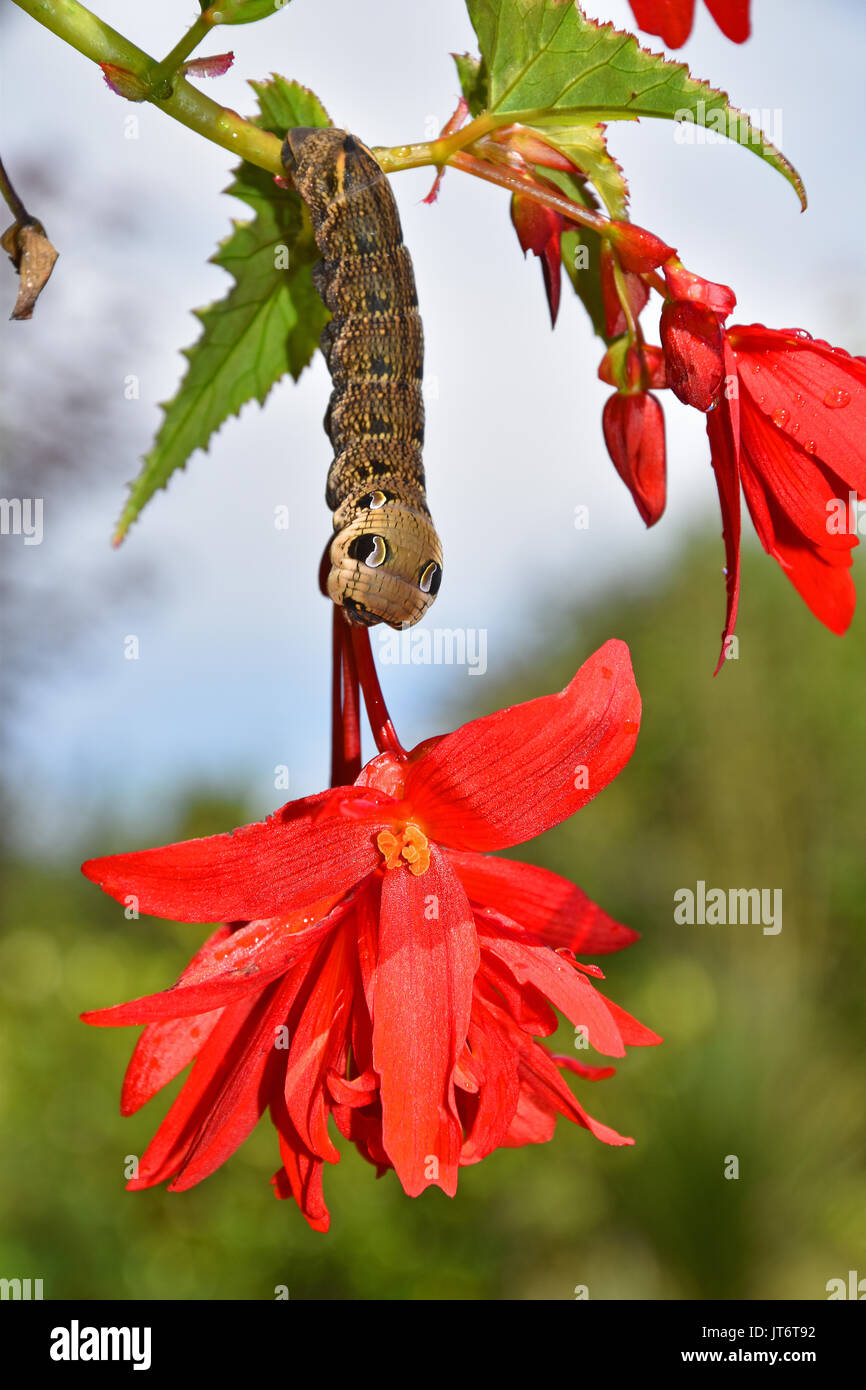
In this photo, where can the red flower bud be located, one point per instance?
(684, 285)
(539, 229)
(636, 368)
(635, 288)
(634, 431)
(692, 341)
(638, 249)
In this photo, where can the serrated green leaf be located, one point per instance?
(269, 322)
(584, 144)
(547, 63)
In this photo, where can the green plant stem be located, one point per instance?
(85, 32)
(163, 75)
(78, 27)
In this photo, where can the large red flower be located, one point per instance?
(672, 19)
(379, 967)
(786, 420)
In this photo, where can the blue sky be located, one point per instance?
(232, 678)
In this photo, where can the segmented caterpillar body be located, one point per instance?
(386, 558)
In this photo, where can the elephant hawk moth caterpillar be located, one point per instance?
(385, 555)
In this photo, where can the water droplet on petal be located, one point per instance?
(837, 400)
(800, 398)
(780, 417)
(810, 446)
(795, 428)
(713, 405)
(757, 368)
(761, 400)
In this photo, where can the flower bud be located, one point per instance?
(692, 341)
(634, 431)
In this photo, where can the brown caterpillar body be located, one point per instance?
(386, 559)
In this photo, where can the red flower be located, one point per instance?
(790, 427)
(672, 19)
(378, 966)
(786, 419)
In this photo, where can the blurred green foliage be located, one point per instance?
(754, 779)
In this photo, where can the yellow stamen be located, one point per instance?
(409, 847)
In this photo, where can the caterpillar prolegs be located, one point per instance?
(386, 558)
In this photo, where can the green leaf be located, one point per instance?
(268, 323)
(584, 144)
(473, 81)
(586, 279)
(547, 64)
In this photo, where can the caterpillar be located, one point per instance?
(385, 555)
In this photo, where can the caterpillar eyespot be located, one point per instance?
(385, 555)
(369, 550)
(431, 578)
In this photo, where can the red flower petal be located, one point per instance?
(774, 466)
(534, 1121)
(495, 1061)
(539, 1071)
(161, 1053)
(165, 1048)
(301, 1177)
(525, 1004)
(813, 393)
(196, 1097)
(550, 907)
(506, 778)
(580, 1069)
(243, 1092)
(671, 20)
(318, 1038)
(301, 1174)
(242, 964)
(421, 1017)
(732, 17)
(821, 576)
(292, 858)
(565, 987)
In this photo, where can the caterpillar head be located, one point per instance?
(386, 562)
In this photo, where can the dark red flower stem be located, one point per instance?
(380, 720)
(345, 708)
